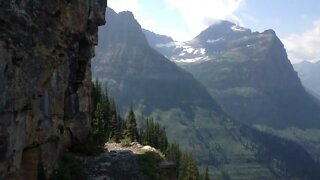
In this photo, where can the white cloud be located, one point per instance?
(250, 18)
(304, 46)
(124, 5)
(176, 34)
(136, 6)
(197, 15)
(202, 13)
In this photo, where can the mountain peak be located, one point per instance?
(223, 29)
(156, 39)
(227, 25)
(224, 22)
(124, 28)
(127, 14)
(269, 31)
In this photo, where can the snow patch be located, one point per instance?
(203, 51)
(237, 28)
(192, 60)
(212, 41)
(168, 45)
(182, 54)
(188, 49)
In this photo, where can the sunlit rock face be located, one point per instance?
(45, 81)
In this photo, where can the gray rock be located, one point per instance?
(45, 81)
(117, 165)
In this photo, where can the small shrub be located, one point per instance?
(125, 142)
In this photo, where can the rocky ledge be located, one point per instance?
(120, 162)
(45, 81)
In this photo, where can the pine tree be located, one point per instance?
(113, 127)
(174, 154)
(188, 169)
(105, 105)
(96, 93)
(131, 131)
(206, 174)
(98, 125)
(120, 127)
(151, 133)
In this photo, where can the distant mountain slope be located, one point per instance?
(156, 39)
(249, 74)
(163, 44)
(136, 74)
(309, 74)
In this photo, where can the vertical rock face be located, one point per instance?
(45, 81)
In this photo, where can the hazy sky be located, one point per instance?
(296, 22)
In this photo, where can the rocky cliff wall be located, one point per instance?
(45, 81)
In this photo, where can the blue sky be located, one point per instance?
(296, 22)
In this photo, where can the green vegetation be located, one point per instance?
(307, 138)
(109, 126)
(106, 123)
(205, 175)
(188, 168)
(69, 168)
(149, 164)
(151, 133)
(131, 131)
(186, 164)
(246, 92)
(231, 142)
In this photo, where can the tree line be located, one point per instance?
(108, 125)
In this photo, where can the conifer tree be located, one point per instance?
(114, 128)
(96, 93)
(188, 169)
(206, 174)
(120, 127)
(131, 130)
(173, 153)
(98, 125)
(105, 105)
(151, 133)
